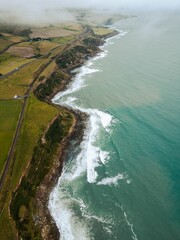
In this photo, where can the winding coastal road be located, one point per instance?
(87, 31)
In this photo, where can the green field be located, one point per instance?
(41, 47)
(8, 62)
(52, 66)
(9, 113)
(38, 116)
(63, 40)
(101, 30)
(4, 43)
(17, 83)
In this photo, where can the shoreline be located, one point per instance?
(42, 197)
(83, 120)
(43, 219)
(76, 133)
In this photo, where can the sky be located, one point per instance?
(92, 3)
(51, 10)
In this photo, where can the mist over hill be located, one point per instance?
(54, 11)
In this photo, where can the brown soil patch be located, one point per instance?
(24, 52)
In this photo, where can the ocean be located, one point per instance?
(123, 182)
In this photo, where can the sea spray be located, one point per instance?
(91, 155)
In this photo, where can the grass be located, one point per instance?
(101, 31)
(7, 231)
(6, 58)
(9, 113)
(63, 40)
(4, 43)
(56, 51)
(62, 30)
(8, 39)
(18, 82)
(23, 207)
(8, 62)
(47, 46)
(16, 39)
(50, 69)
(42, 47)
(37, 118)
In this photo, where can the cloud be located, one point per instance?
(51, 4)
(42, 11)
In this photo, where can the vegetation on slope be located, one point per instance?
(23, 206)
(43, 130)
(9, 113)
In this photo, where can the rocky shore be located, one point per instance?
(46, 223)
(37, 215)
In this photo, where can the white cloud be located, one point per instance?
(36, 11)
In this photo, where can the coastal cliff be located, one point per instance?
(29, 205)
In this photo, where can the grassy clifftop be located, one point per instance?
(44, 128)
(18, 74)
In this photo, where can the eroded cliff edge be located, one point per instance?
(29, 202)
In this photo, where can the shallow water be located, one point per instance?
(123, 181)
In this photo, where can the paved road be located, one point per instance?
(15, 70)
(83, 35)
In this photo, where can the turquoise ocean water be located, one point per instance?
(123, 182)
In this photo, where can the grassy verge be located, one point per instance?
(39, 47)
(9, 113)
(37, 118)
(101, 31)
(19, 81)
(4, 42)
(9, 62)
(63, 40)
(23, 207)
(50, 69)
(44, 127)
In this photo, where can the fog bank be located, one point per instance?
(52, 11)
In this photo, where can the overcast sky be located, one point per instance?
(33, 10)
(91, 3)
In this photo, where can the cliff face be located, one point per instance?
(24, 208)
(29, 201)
(54, 83)
(72, 58)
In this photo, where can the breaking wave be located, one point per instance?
(61, 203)
(113, 180)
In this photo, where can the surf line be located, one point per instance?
(90, 156)
(94, 155)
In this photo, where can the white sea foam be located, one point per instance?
(134, 236)
(87, 161)
(112, 180)
(128, 181)
(69, 227)
(91, 156)
(77, 84)
(105, 118)
(108, 230)
(90, 216)
(104, 156)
